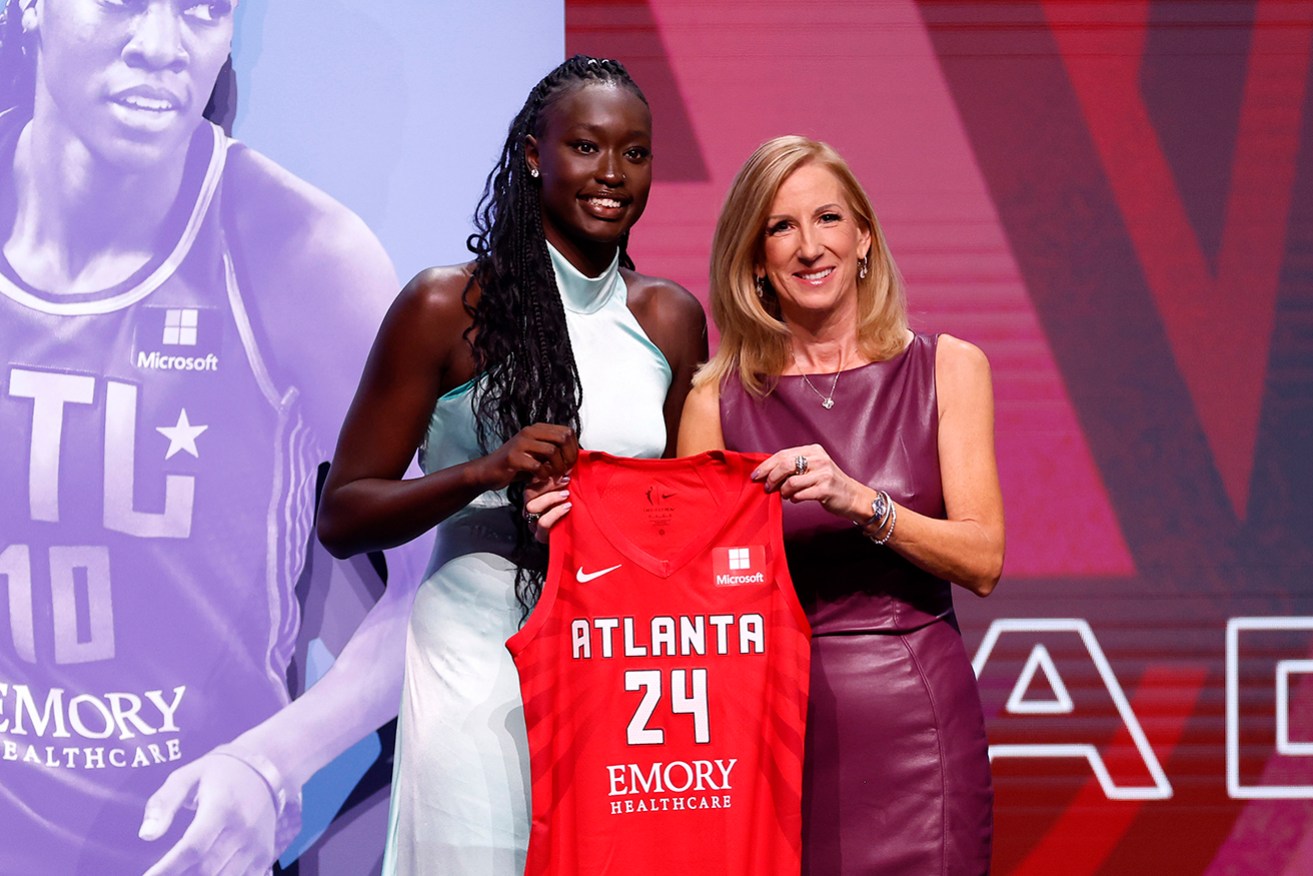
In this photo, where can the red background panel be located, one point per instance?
(866, 79)
(1115, 201)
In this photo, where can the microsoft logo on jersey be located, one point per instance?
(735, 566)
(177, 339)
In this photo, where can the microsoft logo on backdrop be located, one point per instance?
(177, 339)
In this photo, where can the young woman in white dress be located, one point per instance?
(496, 370)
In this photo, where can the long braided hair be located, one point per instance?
(518, 334)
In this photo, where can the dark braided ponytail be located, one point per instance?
(518, 334)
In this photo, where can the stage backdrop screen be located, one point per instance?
(1115, 201)
(205, 210)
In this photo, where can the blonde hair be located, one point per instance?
(754, 340)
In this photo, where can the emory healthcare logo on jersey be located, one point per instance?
(177, 339)
(735, 566)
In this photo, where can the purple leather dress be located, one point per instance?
(896, 779)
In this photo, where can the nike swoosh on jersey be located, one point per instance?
(584, 577)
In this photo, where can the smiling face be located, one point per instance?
(129, 79)
(594, 156)
(813, 240)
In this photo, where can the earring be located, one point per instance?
(533, 172)
(761, 286)
(863, 264)
(29, 18)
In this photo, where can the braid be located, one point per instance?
(17, 60)
(518, 331)
(625, 260)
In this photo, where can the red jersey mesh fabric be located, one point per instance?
(664, 673)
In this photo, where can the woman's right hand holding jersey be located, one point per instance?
(541, 452)
(544, 454)
(420, 353)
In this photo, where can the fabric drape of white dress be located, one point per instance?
(460, 785)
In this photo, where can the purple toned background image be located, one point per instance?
(184, 319)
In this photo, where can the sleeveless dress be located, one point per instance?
(896, 778)
(460, 786)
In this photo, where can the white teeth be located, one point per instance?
(817, 275)
(147, 103)
(607, 203)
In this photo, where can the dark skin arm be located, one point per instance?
(419, 354)
(673, 320)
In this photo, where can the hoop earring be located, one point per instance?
(863, 264)
(760, 283)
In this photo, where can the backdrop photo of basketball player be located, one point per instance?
(874, 425)
(491, 368)
(182, 320)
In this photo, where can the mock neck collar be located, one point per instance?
(580, 293)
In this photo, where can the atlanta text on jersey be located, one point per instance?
(668, 636)
(157, 361)
(670, 787)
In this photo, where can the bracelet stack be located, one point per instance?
(879, 527)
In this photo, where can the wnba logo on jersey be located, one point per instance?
(734, 566)
(177, 339)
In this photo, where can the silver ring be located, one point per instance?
(532, 519)
(799, 465)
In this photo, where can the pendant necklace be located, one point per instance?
(827, 401)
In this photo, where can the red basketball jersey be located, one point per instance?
(664, 673)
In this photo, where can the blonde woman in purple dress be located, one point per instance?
(883, 448)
